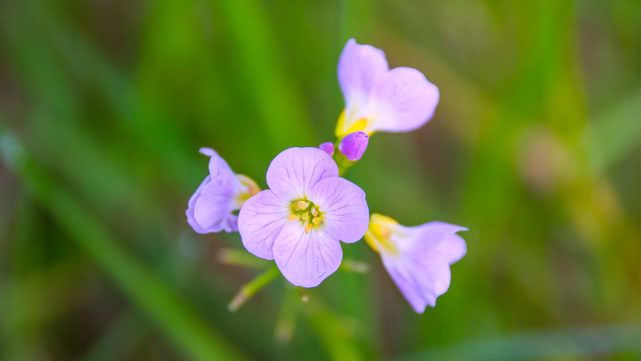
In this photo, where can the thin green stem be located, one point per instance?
(236, 257)
(252, 287)
(350, 265)
(341, 161)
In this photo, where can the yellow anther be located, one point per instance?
(302, 205)
(378, 235)
(250, 189)
(345, 127)
(307, 213)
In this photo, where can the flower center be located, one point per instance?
(346, 126)
(306, 212)
(379, 233)
(250, 190)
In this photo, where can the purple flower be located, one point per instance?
(417, 258)
(299, 221)
(378, 98)
(353, 146)
(221, 193)
(327, 147)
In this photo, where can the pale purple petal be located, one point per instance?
(440, 240)
(408, 288)
(327, 147)
(419, 282)
(219, 170)
(421, 269)
(260, 221)
(210, 207)
(306, 258)
(230, 223)
(353, 146)
(296, 170)
(402, 100)
(359, 67)
(344, 208)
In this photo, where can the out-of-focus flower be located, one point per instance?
(353, 146)
(417, 258)
(378, 98)
(300, 219)
(221, 193)
(327, 147)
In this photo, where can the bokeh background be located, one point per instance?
(535, 147)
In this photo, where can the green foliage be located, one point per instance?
(535, 147)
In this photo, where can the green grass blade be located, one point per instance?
(165, 307)
(264, 77)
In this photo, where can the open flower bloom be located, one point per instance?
(212, 207)
(299, 221)
(417, 258)
(378, 98)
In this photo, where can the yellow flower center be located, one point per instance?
(379, 232)
(251, 189)
(344, 127)
(307, 213)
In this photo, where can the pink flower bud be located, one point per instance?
(353, 146)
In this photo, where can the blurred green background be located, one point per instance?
(535, 147)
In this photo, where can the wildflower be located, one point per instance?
(417, 258)
(378, 98)
(353, 146)
(222, 192)
(327, 147)
(300, 219)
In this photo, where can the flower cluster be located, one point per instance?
(308, 208)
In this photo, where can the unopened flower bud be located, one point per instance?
(353, 146)
(327, 147)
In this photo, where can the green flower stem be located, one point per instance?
(236, 257)
(341, 161)
(350, 265)
(252, 287)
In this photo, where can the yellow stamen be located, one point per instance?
(379, 232)
(307, 213)
(344, 127)
(302, 205)
(251, 189)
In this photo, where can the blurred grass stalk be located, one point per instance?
(281, 108)
(196, 339)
